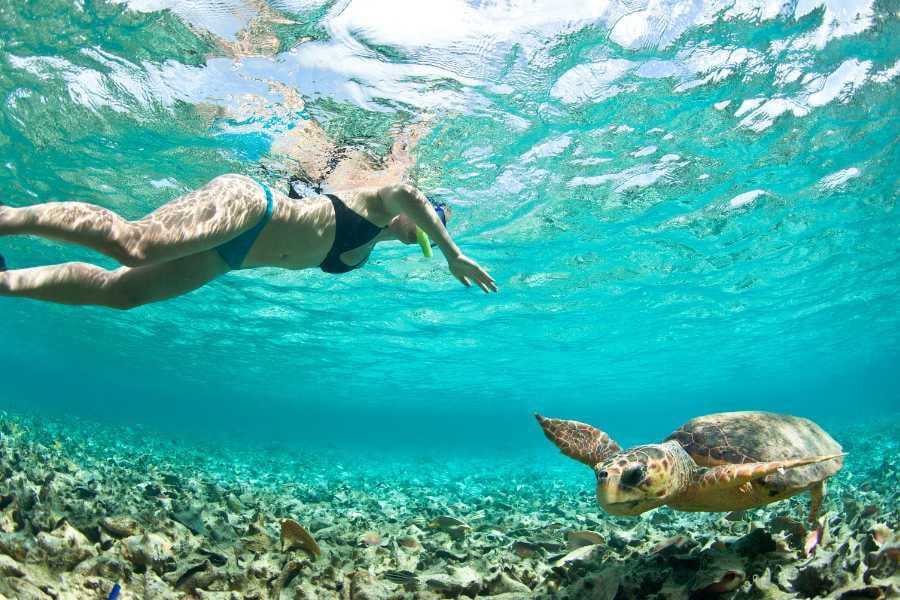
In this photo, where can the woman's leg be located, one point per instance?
(123, 288)
(219, 211)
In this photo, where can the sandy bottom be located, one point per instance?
(83, 508)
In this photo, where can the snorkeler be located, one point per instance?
(233, 222)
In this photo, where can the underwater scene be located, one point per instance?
(682, 218)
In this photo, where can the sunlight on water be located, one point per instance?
(688, 206)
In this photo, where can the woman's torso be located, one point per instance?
(302, 231)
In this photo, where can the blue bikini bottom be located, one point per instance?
(235, 251)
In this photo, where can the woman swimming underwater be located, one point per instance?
(232, 222)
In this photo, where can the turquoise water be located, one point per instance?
(689, 207)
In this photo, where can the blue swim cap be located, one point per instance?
(439, 209)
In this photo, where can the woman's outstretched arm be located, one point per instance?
(406, 200)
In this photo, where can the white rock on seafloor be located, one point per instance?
(120, 527)
(504, 584)
(151, 586)
(17, 545)
(55, 485)
(461, 580)
(10, 568)
(7, 522)
(21, 589)
(65, 545)
(365, 587)
(174, 530)
(109, 565)
(579, 554)
(147, 550)
(204, 595)
(23, 490)
(266, 567)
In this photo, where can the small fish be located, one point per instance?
(215, 558)
(728, 582)
(577, 555)
(881, 534)
(869, 511)
(445, 523)
(401, 577)
(447, 555)
(577, 539)
(675, 542)
(526, 549)
(370, 538)
(812, 541)
(294, 535)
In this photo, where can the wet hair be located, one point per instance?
(440, 208)
(302, 186)
(441, 213)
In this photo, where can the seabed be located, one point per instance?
(84, 507)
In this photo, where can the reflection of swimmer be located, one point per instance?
(233, 222)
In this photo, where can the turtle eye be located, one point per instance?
(601, 475)
(633, 476)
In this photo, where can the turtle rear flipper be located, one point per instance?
(580, 441)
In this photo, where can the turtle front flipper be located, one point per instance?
(736, 475)
(580, 441)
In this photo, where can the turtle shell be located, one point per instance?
(743, 437)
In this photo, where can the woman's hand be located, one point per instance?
(467, 270)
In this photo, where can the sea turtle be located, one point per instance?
(720, 462)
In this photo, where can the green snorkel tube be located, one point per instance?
(424, 242)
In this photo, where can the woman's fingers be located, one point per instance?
(487, 279)
(484, 283)
(484, 280)
(468, 271)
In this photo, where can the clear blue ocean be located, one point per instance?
(689, 206)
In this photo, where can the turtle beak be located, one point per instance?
(616, 498)
(607, 487)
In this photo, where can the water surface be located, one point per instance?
(689, 207)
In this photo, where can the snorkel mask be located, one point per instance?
(422, 237)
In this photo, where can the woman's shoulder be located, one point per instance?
(365, 201)
(368, 196)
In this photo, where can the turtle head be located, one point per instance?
(638, 479)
